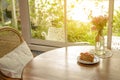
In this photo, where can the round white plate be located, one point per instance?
(96, 60)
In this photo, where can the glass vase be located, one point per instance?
(99, 44)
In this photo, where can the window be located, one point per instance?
(9, 13)
(79, 16)
(116, 26)
(73, 16)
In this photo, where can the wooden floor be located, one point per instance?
(36, 53)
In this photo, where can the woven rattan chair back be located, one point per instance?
(9, 40)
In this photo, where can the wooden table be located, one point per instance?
(61, 64)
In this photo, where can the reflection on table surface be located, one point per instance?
(61, 64)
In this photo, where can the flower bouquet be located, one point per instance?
(99, 22)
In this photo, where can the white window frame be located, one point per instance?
(110, 23)
(45, 45)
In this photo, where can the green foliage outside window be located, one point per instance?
(80, 32)
(47, 14)
(116, 23)
(52, 16)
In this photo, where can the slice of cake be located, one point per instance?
(87, 57)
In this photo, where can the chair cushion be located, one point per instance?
(13, 63)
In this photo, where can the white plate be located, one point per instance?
(96, 60)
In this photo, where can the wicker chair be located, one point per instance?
(9, 40)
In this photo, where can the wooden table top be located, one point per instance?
(61, 64)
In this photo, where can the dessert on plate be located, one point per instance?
(86, 56)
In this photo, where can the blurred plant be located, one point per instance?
(79, 32)
(45, 14)
(57, 22)
(99, 22)
(116, 23)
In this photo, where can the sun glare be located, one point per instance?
(83, 10)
